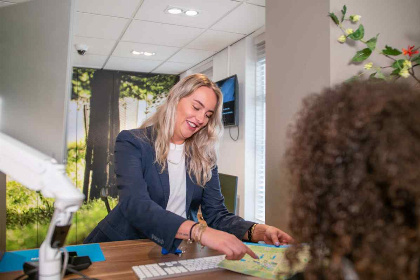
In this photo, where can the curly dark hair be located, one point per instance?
(355, 164)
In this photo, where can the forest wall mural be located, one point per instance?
(102, 104)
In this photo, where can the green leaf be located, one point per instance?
(371, 43)
(396, 72)
(358, 34)
(334, 18)
(343, 12)
(362, 55)
(416, 59)
(352, 79)
(380, 75)
(377, 75)
(398, 64)
(391, 51)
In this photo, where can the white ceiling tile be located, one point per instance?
(96, 46)
(160, 33)
(161, 52)
(88, 60)
(209, 11)
(131, 64)
(235, 21)
(214, 40)
(191, 56)
(257, 2)
(123, 8)
(4, 4)
(172, 68)
(104, 27)
(16, 1)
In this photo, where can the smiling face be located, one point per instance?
(193, 112)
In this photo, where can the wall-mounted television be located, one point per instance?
(230, 91)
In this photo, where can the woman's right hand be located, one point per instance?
(227, 243)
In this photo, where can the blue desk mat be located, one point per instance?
(13, 261)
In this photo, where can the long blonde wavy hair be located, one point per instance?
(200, 148)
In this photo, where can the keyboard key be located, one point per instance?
(177, 268)
(139, 272)
(146, 271)
(169, 270)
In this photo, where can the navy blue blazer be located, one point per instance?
(144, 193)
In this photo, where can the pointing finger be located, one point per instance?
(251, 253)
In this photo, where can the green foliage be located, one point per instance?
(81, 90)
(76, 153)
(395, 72)
(391, 51)
(343, 13)
(86, 219)
(377, 75)
(334, 18)
(24, 206)
(398, 64)
(358, 34)
(27, 225)
(416, 59)
(152, 89)
(371, 43)
(362, 55)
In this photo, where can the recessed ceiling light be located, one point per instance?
(191, 13)
(149, 53)
(174, 11)
(136, 52)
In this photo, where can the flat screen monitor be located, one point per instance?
(35, 72)
(230, 91)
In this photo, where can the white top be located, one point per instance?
(177, 180)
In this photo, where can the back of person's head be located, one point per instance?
(355, 164)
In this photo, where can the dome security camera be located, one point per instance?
(81, 48)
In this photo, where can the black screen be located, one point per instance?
(229, 88)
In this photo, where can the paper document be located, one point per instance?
(272, 263)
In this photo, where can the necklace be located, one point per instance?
(176, 163)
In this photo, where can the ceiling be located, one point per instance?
(112, 29)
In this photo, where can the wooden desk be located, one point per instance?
(122, 255)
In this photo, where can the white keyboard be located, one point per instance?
(178, 268)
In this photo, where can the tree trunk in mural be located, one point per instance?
(102, 127)
(114, 130)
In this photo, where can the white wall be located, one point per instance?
(297, 56)
(238, 157)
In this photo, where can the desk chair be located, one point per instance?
(229, 187)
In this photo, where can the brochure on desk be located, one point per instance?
(13, 261)
(271, 264)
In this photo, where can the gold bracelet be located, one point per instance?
(201, 230)
(196, 232)
(190, 239)
(251, 232)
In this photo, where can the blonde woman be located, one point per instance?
(167, 168)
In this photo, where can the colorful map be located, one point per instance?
(271, 265)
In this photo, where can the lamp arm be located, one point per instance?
(39, 172)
